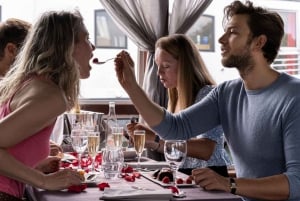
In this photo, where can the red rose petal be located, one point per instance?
(77, 188)
(136, 174)
(130, 178)
(127, 169)
(103, 185)
(174, 189)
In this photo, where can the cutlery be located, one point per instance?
(181, 194)
(96, 61)
(91, 177)
(142, 188)
(67, 161)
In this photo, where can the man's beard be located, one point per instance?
(243, 62)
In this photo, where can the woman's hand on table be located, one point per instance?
(210, 180)
(49, 165)
(55, 149)
(62, 179)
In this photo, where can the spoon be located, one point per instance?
(96, 61)
(180, 194)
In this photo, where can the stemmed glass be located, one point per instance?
(79, 142)
(93, 146)
(139, 144)
(175, 154)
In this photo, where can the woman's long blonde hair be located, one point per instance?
(48, 52)
(192, 73)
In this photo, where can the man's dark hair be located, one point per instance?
(13, 31)
(261, 22)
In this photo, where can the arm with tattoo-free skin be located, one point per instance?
(151, 112)
(22, 123)
(275, 187)
(201, 148)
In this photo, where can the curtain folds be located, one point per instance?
(144, 21)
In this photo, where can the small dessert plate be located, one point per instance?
(149, 175)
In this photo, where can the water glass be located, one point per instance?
(112, 162)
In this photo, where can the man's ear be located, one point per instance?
(260, 41)
(11, 50)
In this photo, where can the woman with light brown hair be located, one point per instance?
(183, 72)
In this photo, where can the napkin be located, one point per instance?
(134, 195)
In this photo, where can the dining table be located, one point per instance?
(93, 192)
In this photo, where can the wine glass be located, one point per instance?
(79, 142)
(139, 144)
(175, 154)
(93, 146)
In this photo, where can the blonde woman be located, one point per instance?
(42, 84)
(183, 72)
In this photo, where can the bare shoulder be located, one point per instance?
(41, 92)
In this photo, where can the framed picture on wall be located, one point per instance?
(203, 33)
(107, 33)
(289, 18)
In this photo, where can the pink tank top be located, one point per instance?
(30, 151)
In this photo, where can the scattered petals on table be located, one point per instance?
(77, 188)
(136, 174)
(174, 189)
(103, 185)
(130, 178)
(86, 161)
(127, 169)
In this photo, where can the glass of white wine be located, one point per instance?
(93, 146)
(79, 142)
(139, 144)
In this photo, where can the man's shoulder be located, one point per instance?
(230, 85)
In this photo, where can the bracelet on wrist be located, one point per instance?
(232, 185)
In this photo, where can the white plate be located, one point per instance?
(149, 176)
(68, 157)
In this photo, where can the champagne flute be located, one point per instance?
(139, 144)
(79, 142)
(175, 154)
(93, 146)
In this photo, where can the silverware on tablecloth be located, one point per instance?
(181, 194)
(91, 177)
(142, 188)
